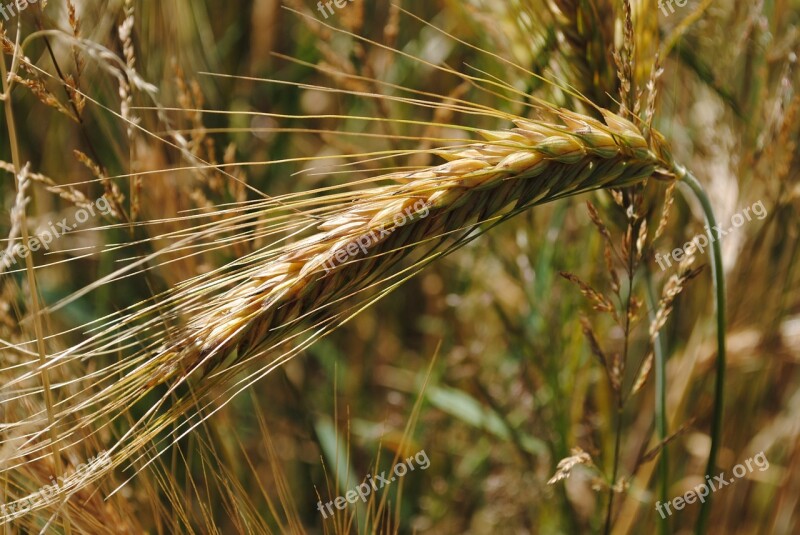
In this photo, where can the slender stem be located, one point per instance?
(32, 287)
(660, 356)
(617, 444)
(719, 387)
(620, 398)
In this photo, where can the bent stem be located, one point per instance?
(719, 287)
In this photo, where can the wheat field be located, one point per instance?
(279, 266)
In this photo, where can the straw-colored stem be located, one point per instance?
(31, 277)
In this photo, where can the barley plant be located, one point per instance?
(277, 266)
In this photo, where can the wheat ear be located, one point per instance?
(534, 163)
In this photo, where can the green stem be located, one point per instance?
(719, 288)
(660, 356)
(617, 445)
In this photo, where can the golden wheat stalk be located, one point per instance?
(534, 163)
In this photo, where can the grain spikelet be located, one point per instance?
(531, 164)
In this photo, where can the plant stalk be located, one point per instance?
(660, 357)
(32, 286)
(719, 289)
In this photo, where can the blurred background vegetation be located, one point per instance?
(483, 355)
